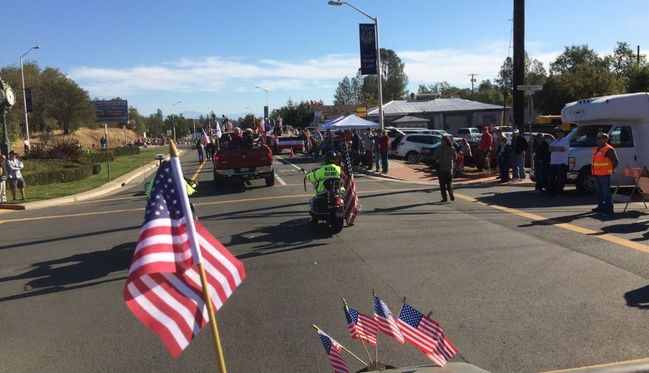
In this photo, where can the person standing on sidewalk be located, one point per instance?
(3, 179)
(445, 156)
(559, 162)
(519, 147)
(484, 147)
(384, 143)
(15, 178)
(541, 163)
(604, 162)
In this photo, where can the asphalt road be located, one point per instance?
(521, 283)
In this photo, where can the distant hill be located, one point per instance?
(85, 136)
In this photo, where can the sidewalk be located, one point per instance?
(400, 170)
(103, 190)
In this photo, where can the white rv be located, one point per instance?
(626, 120)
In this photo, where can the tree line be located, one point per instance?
(579, 72)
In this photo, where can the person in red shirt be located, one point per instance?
(384, 141)
(486, 141)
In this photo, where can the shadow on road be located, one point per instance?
(297, 234)
(64, 238)
(73, 272)
(526, 199)
(638, 298)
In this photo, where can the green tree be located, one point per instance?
(394, 80)
(136, 122)
(638, 79)
(155, 125)
(65, 102)
(345, 95)
(489, 93)
(297, 116)
(577, 73)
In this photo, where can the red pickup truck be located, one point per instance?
(237, 161)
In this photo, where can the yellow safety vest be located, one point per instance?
(602, 165)
(317, 177)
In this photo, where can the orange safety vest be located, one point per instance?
(602, 165)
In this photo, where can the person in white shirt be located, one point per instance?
(15, 178)
(558, 162)
(3, 178)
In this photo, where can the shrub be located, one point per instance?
(59, 173)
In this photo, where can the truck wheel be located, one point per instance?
(412, 157)
(585, 182)
(270, 180)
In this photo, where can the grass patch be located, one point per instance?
(118, 167)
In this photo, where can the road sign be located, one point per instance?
(529, 87)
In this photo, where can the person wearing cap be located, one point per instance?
(519, 147)
(604, 162)
(558, 162)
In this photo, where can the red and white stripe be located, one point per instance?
(163, 289)
(425, 337)
(365, 329)
(352, 207)
(442, 353)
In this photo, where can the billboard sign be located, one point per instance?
(367, 38)
(111, 110)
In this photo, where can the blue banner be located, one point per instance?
(28, 100)
(367, 36)
(111, 110)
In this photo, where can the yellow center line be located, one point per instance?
(200, 167)
(570, 227)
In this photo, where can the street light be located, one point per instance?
(378, 54)
(22, 76)
(173, 118)
(267, 107)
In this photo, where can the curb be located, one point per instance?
(103, 190)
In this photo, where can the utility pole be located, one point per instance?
(473, 80)
(519, 64)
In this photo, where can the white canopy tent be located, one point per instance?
(349, 122)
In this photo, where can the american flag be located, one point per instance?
(361, 326)
(425, 334)
(352, 207)
(163, 289)
(333, 349)
(386, 321)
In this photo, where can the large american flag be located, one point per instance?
(425, 334)
(352, 207)
(361, 326)
(386, 321)
(163, 289)
(333, 349)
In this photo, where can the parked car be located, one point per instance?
(409, 146)
(471, 134)
(427, 155)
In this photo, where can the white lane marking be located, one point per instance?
(280, 179)
(288, 163)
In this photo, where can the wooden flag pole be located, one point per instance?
(384, 358)
(345, 348)
(365, 347)
(204, 284)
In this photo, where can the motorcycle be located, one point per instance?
(329, 207)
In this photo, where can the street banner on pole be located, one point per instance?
(367, 36)
(28, 100)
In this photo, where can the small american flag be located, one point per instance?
(361, 326)
(352, 207)
(425, 334)
(163, 289)
(333, 349)
(386, 321)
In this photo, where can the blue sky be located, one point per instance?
(211, 54)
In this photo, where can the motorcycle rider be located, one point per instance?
(328, 171)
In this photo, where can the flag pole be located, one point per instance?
(344, 348)
(384, 358)
(173, 151)
(376, 346)
(365, 347)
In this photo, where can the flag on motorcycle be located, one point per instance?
(360, 326)
(352, 207)
(163, 289)
(425, 334)
(386, 321)
(333, 350)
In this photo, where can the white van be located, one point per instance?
(626, 120)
